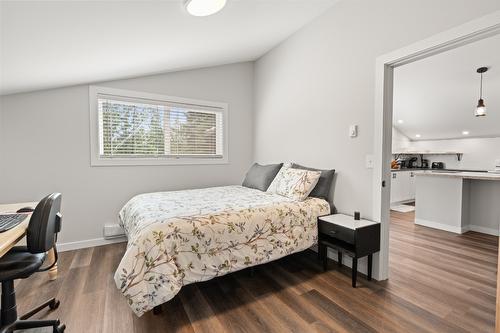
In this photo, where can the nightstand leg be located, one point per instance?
(370, 260)
(339, 258)
(354, 271)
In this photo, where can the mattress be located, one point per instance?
(181, 237)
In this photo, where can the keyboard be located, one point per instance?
(9, 221)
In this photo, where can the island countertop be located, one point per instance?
(458, 201)
(460, 174)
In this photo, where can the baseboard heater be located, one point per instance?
(112, 231)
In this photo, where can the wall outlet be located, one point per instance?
(369, 161)
(113, 231)
(353, 131)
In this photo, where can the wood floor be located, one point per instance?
(439, 282)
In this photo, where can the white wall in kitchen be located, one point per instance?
(478, 153)
(400, 142)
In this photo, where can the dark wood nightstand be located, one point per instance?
(357, 239)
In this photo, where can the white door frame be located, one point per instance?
(483, 27)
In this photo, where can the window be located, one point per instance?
(130, 128)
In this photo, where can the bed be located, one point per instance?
(182, 237)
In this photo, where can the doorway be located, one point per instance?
(471, 32)
(468, 33)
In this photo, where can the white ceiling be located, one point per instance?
(47, 44)
(436, 96)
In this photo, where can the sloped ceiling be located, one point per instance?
(48, 44)
(436, 97)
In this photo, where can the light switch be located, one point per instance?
(353, 131)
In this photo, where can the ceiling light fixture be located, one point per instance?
(417, 135)
(481, 108)
(400, 121)
(465, 132)
(204, 7)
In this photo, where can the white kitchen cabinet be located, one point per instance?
(402, 186)
(412, 186)
(396, 186)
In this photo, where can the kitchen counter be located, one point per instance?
(460, 174)
(438, 170)
(458, 201)
(409, 169)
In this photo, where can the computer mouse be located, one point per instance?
(25, 210)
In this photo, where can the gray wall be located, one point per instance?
(45, 140)
(484, 211)
(314, 85)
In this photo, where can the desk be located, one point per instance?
(10, 238)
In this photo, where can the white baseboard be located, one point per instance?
(440, 226)
(458, 230)
(61, 247)
(397, 203)
(484, 230)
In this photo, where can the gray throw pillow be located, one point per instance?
(261, 176)
(322, 188)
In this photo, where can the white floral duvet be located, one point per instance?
(177, 238)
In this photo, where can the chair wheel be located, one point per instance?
(60, 329)
(54, 305)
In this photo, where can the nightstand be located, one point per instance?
(357, 239)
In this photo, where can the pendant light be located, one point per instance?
(481, 108)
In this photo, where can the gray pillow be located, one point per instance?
(322, 188)
(261, 176)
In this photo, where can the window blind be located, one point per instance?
(130, 128)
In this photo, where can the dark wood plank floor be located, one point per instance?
(439, 282)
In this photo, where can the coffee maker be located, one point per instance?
(413, 163)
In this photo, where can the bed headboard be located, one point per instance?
(333, 209)
(325, 186)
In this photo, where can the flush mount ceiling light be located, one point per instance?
(204, 7)
(417, 135)
(465, 132)
(481, 108)
(400, 121)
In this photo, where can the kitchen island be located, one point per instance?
(458, 201)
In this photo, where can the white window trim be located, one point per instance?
(97, 160)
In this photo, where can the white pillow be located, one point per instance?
(274, 184)
(296, 183)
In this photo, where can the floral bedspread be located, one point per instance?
(180, 237)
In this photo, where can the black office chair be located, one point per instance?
(22, 261)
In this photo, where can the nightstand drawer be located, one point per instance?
(336, 231)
